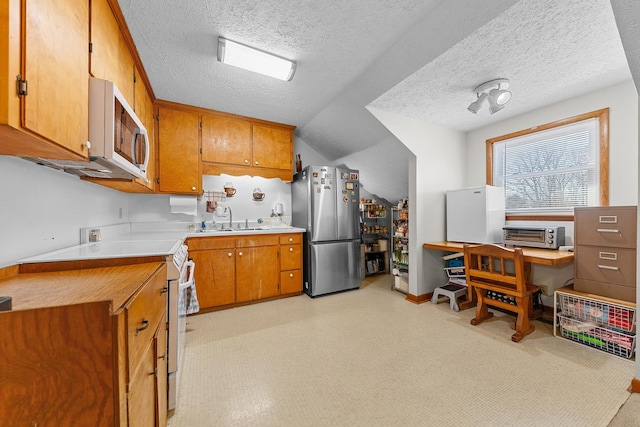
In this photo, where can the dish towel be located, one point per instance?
(190, 303)
(192, 299)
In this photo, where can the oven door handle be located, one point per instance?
(189, 266)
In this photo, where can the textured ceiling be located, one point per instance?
(550, 50)
(418, 58)
(331, 41)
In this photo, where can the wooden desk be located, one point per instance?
(531, 256)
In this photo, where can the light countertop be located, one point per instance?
(143, 239)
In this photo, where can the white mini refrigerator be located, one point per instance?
(475, 215)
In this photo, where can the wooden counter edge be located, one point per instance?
(533, 255)
(9, 271)
(44, 267)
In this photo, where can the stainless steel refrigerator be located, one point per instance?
(325, 202)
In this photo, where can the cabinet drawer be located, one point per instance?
(603, 289)
(143, 316)
(257, 240)
(612, 265)
(610, 226)
(290, 257)
(290, 282)
(290, 238)
(204, 243)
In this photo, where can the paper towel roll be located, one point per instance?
(187, 205)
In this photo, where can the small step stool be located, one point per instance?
(451, 291)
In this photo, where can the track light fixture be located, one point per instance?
(494, 92)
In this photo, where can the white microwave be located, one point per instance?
(118, 140)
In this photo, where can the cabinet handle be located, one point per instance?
(145, 325)
(612, 256)
(608, 267)
(164, 290)
(291, 239)
(608, 219)
(256, 163)
(229, 254)
(193, 188)
(290, 274)
(290, 249)
(87, 144)
(607, 230)
(246, 162)
(240, 253)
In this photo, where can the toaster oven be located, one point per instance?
(535, 237)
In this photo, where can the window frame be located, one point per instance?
(603, 116)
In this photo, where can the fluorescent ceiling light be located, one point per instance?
(239, 55)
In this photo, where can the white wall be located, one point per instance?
(155, 207)
(446, 159)
(308, 155)
(437, 167)
(44, 209)
(622, 101)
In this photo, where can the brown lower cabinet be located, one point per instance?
(85, 347)
(233, 270)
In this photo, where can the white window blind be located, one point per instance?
(552, 170)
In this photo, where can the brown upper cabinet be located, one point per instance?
(226, 140)
(238, 145)
(44, 85)
(178, 151)
(111, 58)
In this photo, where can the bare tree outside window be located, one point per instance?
(553, 169)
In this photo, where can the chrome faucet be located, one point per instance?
(230, 216)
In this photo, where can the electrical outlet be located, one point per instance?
(545, 289)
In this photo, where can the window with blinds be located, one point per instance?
(551, 170)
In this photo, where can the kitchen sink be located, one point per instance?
(241, 230)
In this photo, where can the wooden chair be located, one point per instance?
(495, 268)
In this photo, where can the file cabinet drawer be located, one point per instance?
(612, 265)
(606, 226)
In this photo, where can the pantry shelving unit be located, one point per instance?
(375, 237)
(601, 323)
(400, 253)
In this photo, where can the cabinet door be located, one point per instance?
(142, 399)
(143, 107)
(226, 140)
(160, 341)
(290, 257)
(215, 277)
(110, 56)
(55, 64)
(178, 152)
(291, 282)
(257, 273)
(272, 147)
